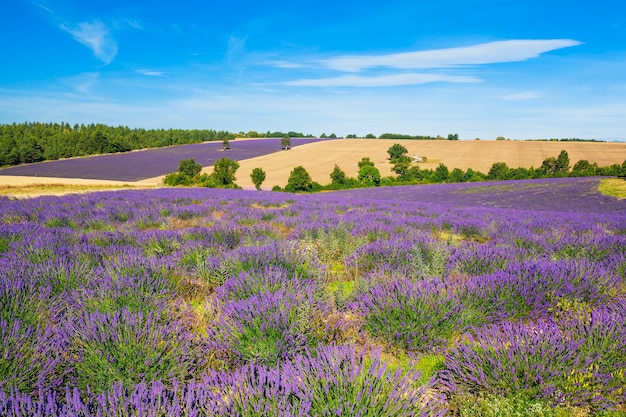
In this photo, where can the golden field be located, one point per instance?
(320, 158)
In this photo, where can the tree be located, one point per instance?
(189, 167)
(453, 136)
(285, 142)
(396, 151)
(584, 168)
(369, 175)
(401, 167)
(562, 162)
(257, 176)
(365, 161)
(498, 171)
(441, 174)
(338, 176)
(188, 172)
(225, 144)
(224, 171)
(457, 175)
(299, 180)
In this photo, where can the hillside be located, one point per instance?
(320, 158)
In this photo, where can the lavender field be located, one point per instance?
(139, 165)
(208, 302)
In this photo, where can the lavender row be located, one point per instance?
(139, 165)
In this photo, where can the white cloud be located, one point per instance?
(485, 53)
(381, 80)
(96, 37)
(151, 73)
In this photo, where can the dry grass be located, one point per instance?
(25, 187)
(320, 158)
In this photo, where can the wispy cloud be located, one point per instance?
(484, 53)
(381, 80)
(95, 36)
(150, 73)
(82, 83)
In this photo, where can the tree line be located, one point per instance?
(35, 142)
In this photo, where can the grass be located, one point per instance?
(613, 187)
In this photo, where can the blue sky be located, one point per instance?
(479, 68)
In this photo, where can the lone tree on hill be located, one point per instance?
(396, 152)
(257, 176)
(285, 142)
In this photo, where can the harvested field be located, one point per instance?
(320, 158)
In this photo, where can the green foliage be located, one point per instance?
(257, 176)
(224, 171)
(299, 180)
(453, 136)
(189, 167)
(441, 174)
(369, 175)
(499, 171)
(187, 174)
(33, 142)
(584, 168)
(396, 151)
(365, 161)
(338, 176)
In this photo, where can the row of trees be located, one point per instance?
(34, 142)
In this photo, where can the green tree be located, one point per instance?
(224, 171)
(498, 171)
(257, 176)
(189, 167)
(369, 175)
(457, 175)
(396, 151)
(338, 176)
(453, 136)
(225, 144)
(562, 162)
(441, 174)
(299, 180)
(584, 168)
(365, 161)
(188, 172)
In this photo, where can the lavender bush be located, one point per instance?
(200, 302)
